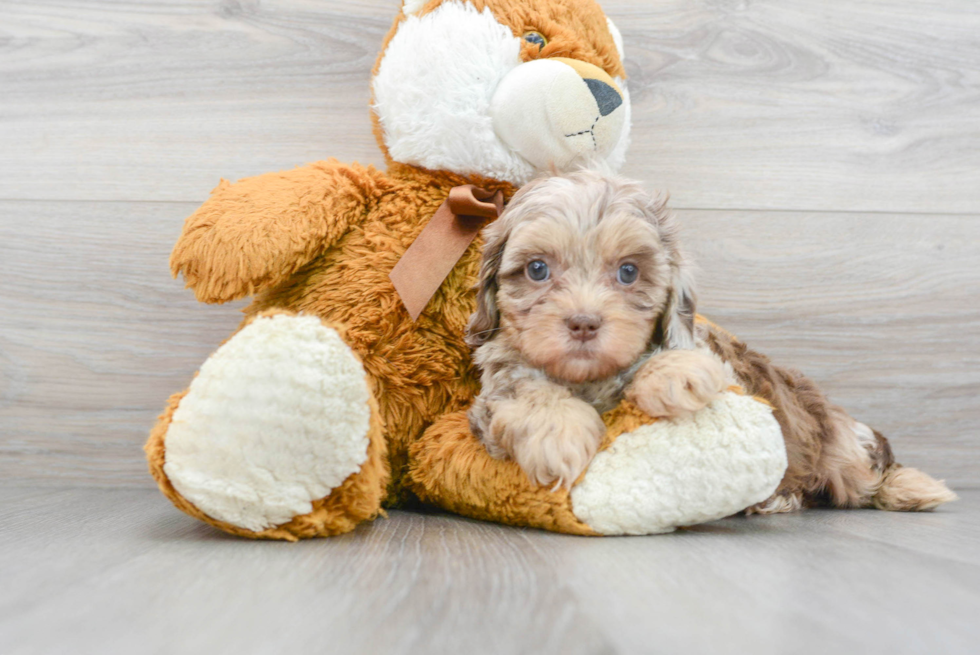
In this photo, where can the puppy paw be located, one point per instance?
(555, 443)
(778, 503)
(677, 383)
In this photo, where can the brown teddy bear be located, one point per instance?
(333, 400)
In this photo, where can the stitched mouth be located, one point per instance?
(590, 132)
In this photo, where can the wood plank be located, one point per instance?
(94, 336)
(881, 310)
(117, 571)
(785, 104)
(795, 104)
(157, 101)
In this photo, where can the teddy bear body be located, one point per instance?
(330, 401)
(418, 369)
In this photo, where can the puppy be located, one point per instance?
(584, 298)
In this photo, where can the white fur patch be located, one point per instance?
(433, 89)
(617, 157)
(725, 458)
(617, 38)
(277, 418)
(412, 6)
(865, 435)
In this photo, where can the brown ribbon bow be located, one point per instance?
(431, 257)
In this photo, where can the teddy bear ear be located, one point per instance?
(617, 37)
(410, 7)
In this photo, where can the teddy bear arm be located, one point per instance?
(255, 233)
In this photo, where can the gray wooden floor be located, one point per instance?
(118, 571)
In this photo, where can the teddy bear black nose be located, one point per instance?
(606, 96)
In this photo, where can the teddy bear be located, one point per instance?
(344, 390)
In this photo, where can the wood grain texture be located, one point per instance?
(777, 104)
(121, 571)
(94, 336)
(883, 311)
(831, 105)
(157, 101)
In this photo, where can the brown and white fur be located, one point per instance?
(557, 352)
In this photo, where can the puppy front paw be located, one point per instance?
(552, 444)
(677, 383)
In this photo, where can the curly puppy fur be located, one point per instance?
(584, 298)
(834, 460)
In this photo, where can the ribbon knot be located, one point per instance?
(431, 257)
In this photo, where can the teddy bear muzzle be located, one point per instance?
(555, 111)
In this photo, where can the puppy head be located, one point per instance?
(582, 274)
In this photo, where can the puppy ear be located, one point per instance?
(675, 327)
(486, 319)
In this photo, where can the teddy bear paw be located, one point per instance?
(277, 418)
(666, 474)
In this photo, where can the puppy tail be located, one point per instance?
(910, 490)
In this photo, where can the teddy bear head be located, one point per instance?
(501, 88)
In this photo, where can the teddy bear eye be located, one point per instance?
(627, 274)
(536, 38)
(538, 271)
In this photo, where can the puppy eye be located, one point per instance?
(536, 38)
(538, 271)
(627, 274)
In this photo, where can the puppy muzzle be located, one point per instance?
(555, 111)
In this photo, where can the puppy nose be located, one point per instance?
(605, 96)
(583, 326)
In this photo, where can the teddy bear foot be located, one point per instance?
(278, 436)
(650, 476)
(657, 476)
